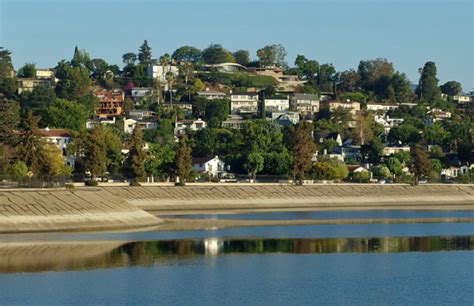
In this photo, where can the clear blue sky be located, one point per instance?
(342, 32)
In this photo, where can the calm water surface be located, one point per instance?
(295, 265)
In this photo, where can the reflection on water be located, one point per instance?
(331, 215)
(65, 256)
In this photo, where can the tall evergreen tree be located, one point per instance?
(144, 54)
(94, 153)
(428, 85)
(183, 160)
(302, 145)
(420, 163)
(134, 164)
(30, 145)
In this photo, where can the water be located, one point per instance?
(278, 265)
(330, 215)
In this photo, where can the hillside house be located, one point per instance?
(213, 166)
(110, 103)
(305, 104)
(181, 126)
(244, 103)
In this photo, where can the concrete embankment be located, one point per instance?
(194, 198)
(28, 210)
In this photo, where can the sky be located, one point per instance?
(342, 32)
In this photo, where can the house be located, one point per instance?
(101, 121)
(211, 94)
(233, 122)
(244, 103)
(321, 137)
(181, 126)
(158, 72)
(348, 152)
(187, 108)
(44, 74)
(387, 151)
(381, 107)
(352, 106)
(438, 115)
(387, 122)
(285, 83)
(138, 93)
(305, 104)
(61, 138)
(277, 105)
(139, 114)
(356, 169)
(130, 124)
(463, 99)
(110, 102)
(286, 118)
(213, 166)
(453, 171)
(27, 84)
(226, 67)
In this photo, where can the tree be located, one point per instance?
(394, 165)
(113, 153)
(187, 54)
(80, 58)
(428, 85)
(160, 160)
(134, 164)
(366, 128)
(129, 58)
(373, 150)
(65, 114)
(95, 153)
(242, 57)
(381, 171)
(404, 134)
(254, 163)
(371, 71)
(216, 54)
(348, 81)
(8, 83)
(17, 170)
(307, 69)
(53, 162)
(144, 54)
(74, 82)
(301, 144)
(326, 77)
(30, 145)
(183, 160)
(28, 70)
(420, 163)
(272, 55)
(9, 119)
(329, 169)
(401, 87)
(169, 79)
(216, 112)
(451, 88)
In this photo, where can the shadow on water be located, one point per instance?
(70, 256)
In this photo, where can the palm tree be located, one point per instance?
(170, 78)
(186, 69)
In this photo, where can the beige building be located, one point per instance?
(27, 84)
(244, 103)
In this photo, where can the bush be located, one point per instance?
(69, 186)
(92, 183)
(135, 183)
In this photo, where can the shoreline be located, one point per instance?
(135, 208)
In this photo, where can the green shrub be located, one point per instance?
(69, 186)
(92, 183)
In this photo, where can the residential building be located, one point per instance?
(321, 137)
(393, 150)
(244, 103)
(181, 126)
(381, 107)
(463, 99)
(211, 94)
(233, 122)
(101, 121)
(158, 72)
(44, 74)
(110, 103)
(305, 104)
(61, 138)
(187, 108)
(286, 118)
(213, 166)
(139, 114)
(130, 124)
(352, 106)
(138, 93)
(27, 84)
(226, 67)
(387, 122)
(348, 152)
(277, 105)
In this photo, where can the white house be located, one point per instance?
(138, 93)
(130, 124)
(393, 150)
(158, 72)
(211, 94)
(194, 125)
(384, 107)
(210, 165)
(305, 103)
(277, 105)
(462, 99)
(61, 139)
(244, 103)
(233, 122)
(102, 121)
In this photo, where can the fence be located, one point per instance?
(35, 181)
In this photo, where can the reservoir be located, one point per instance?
(411, 263)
